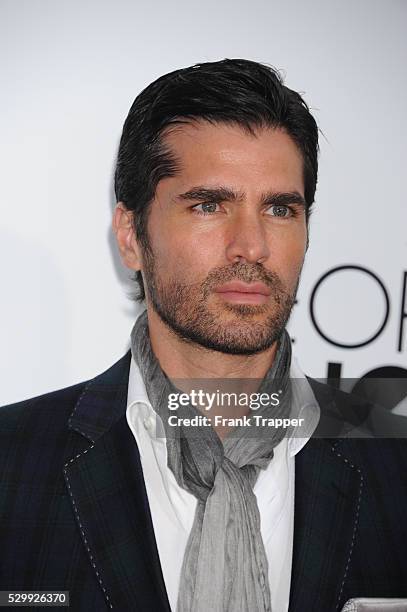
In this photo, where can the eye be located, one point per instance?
(206, 208)
(279, 210)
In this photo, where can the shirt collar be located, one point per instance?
(304, 406)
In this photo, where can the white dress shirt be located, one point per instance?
(173, 508)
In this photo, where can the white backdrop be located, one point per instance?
(69, 72)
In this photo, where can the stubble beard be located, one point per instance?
(247, 329)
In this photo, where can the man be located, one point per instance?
(100, 495)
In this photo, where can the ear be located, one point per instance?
(129, 248)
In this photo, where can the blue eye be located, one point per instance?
(206, 208)
(280, 210)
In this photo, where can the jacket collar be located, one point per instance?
(103, 401)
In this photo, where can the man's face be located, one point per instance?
(227, 237)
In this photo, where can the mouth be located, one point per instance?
(238, 292)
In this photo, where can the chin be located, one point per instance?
(236, 347)
(232, 338)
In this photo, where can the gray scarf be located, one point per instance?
(225, 567)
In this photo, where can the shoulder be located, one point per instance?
(346, 415)
(57, 406)
(54, 406)
(35, 432)
(327, 395)
(34, 443)
(369, 435)
(45, 424)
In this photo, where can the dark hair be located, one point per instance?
(238, 91)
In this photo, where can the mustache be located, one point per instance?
(247, 273)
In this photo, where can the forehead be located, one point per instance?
(211, 154)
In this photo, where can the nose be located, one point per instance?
(247, 239)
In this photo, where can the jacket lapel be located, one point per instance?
(328, 489)
(108, 495)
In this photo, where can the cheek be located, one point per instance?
(287, 257)
(184, 256)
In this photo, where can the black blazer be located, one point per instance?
(74, 512)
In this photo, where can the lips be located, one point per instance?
(240, 287)
(238, 292)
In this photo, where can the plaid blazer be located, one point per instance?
(74, 512)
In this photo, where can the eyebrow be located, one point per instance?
(224, 194)
(284, 198)
(214, 194)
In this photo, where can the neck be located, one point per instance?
(183, 361)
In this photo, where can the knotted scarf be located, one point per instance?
(225, 566)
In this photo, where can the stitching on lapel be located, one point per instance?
(356, 522)
(88, 384)
(78, 517)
